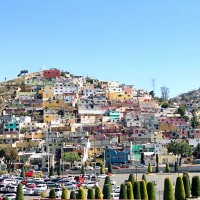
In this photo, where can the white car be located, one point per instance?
(58, 192)
(29, 192)
(11, 196)
(91, 184)
(103, 176)
(115, 195)
(97, 167)
(89, 168)
(70, 186)
(9, 181)
(116, 189)
(113, 181)
(12, 189)
(41, 187)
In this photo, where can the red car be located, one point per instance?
(115, 167)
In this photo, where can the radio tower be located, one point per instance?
(153, 84)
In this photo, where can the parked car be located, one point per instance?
(12, 189)
(70, 186)
(89, 168)
(11, 196)
(91, 184)
(103, 176)
(41, 187)
(29, 192)
(113, 182)
(51, 184)
(115, 167)
(97, 167)
(115, 195)
(58, 192)
(116, 189)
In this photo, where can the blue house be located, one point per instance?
(116, 155)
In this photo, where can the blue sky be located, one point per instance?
(122, 40)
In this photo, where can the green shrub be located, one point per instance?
(150, 168)
(64, 193)
(102, 170)
(187, 174)
(176, 167)
(52, 194)
(151, 191)
(110, 168)
(195, 189)
(22, 172)
(144, 178)
(167, 168)
(130, 191)
(19, 193)
(123, 194)
(98, 193)
(136, 190)
(157, 168)
(186, 183)
(81, 193)
(72, 195)
(168, 190)
(43, 194)
(143, 190)
(107, 181)
(5, 198)
(90, 194)
(107, 192)
(131, 179)
(179, 189)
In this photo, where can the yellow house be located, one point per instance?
(47, 118)
(168, 127)
(98, 150)
(156, 136)
(118, 96)
(47, 91)
(34, 135)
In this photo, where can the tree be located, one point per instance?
(194, 120)
(19, 193)
(142, 158)
(196, 152)
(98, 193)
(157, 168)
(107, 192)
(176, 167)
(187, 174)
(144, 178)
(64, 193)
(179, 189)
(5, 198)
(195, 189)
(164, 93)
(107, 180)
(71, 157)
(58, 170)
(22, 172)
(167, 168)
(168, 190)
(82, 170)
(110, 167)
(131, 178)
(165, 105)
(136, 190)
(90, 194)
(143, 190)
(186, 183)
(179, 149)
(157, 159)
(81, 193)
(72, 195)
(52, 194)
(123, 194)
(102, 170)
(181, 111)
(152, 93)
(151, 191)
(150, 168)
(130, 191)
(9, 155)
(51, 172)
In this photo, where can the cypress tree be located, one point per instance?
(168, 190)
(58, 170)
(150, 168)
(187, 174)
(51, 173)
(82, 170)
(90, 194)
(179, 189)
(144, 178)
(102, 170)
(19, 193)
(22, 172)
(131, 178)
(176, 167)
(151, 191)
(64, 193)
(136, 190)
(123, 194)
(52, 194)
(186, 184)
(157, 159)
(195, 189)
(107, 180)
(72, 195)
(130, 191)
(107, 192)
(167, 169)
(143, 190)
(157, 168)
(81, 193)
(98, 193)
(110, 167)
